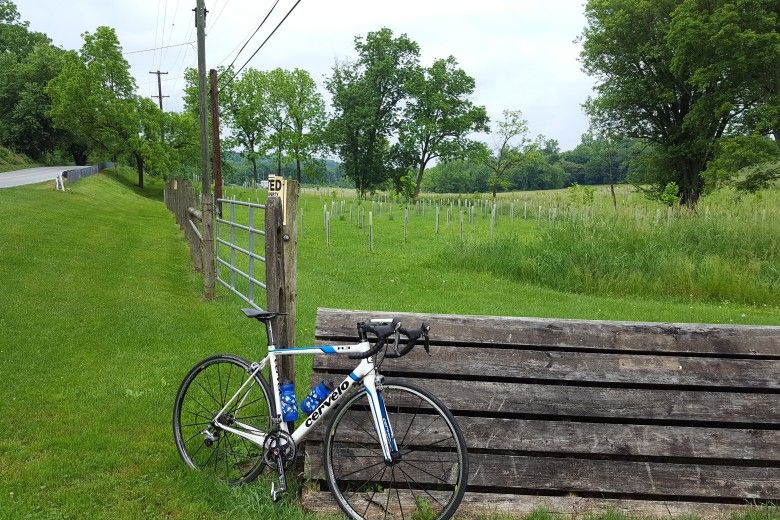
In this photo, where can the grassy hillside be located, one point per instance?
(10, 160)
(101, 318)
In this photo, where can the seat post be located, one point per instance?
(270, 331)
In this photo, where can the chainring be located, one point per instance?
(281, 442)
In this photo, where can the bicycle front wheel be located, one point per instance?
(201, 442)
(428, 477)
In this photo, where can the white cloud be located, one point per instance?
(521, 53)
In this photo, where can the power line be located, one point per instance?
(158, 48)
(251, 36)
(213, 23)
(162, 35)
(264, 41)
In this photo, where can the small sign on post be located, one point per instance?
(277, 185)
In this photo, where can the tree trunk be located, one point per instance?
(79, 157)
(418, 181)
(298, 170)
(690, 189)
(776, 135)
(139, 163)
(614, 199)
(254, 170)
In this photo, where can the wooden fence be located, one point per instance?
(181, 199)
(573, 415)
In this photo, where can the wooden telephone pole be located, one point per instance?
(159, 95)
(207, 251)
(216, 159)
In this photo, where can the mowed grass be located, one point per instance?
(101, 318)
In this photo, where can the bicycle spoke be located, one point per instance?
(373, 494)
(207, 392)
(367, 481)
(425, 490)
(424, 429)
(361, 469)
(387, 502)
(196, 424)
(227, 385)
(398, 496)
(411, 421)
(425, 471)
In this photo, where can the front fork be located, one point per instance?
(373, 388)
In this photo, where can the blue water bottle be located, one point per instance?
(289, 403)
(316, 396)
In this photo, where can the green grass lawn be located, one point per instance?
(101, 318)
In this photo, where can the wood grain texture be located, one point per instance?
(625, 404)
(484, 504)
(593, 367)
(746, 340)
(574, 475)
(620, 440)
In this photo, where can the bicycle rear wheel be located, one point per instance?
(201, 443)
(428, 479)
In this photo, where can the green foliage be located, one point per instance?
(668, 195)
(600, 159)
(510, 137)
(678, 74)
(93, 97)
(581, 195)
(736, 153)
(366, 97)
(438, 116)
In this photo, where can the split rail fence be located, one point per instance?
(647, 418)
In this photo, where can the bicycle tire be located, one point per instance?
(243, 460)
(351, 437)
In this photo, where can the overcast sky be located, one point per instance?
(522, 53)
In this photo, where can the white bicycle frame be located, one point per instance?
(365, 372)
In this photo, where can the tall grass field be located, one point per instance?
(101, 314)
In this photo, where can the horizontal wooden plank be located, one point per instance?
(476, 505)
(572, 475)
(562, 437)
(619, 335)
(594, 367)
(591, 402)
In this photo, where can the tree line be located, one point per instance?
(687, 99)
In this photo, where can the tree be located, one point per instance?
(366, 98)
(93, 97)
(507, 152)
(438, 116)
(305, 119)
(245, 102)
(658, 81)
(278, 117)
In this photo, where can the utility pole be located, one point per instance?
(159, 95)
(207, 200)
(216, 159)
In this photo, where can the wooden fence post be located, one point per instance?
(280, 264)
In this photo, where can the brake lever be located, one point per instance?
(397, 340)
(426, 343)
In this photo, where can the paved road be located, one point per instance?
(32, 175)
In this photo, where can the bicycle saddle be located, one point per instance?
(260, 315)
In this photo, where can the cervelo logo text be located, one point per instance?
(316, 414)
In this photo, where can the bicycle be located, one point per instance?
(390, 449)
